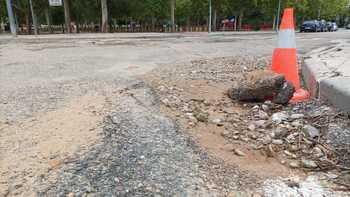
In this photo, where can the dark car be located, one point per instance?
(332, 26)
(310, 26)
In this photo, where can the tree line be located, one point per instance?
(107, 13)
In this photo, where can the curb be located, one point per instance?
(321, 84)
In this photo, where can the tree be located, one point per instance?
(161, 12)
(104, 10)
(11, 17)
(172, 14)
(67, 18)
(3, 12)
(34, 18)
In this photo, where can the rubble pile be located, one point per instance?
(296, 135)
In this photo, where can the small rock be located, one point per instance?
(268, 103)
(201, 115)
(331, 175)
(294, 156)
(244, 139)
(255, 108)
(256, 195)
(239, 152)
(280, 132)
(266, 140)
(297, 124)
(269, 151)
(251, 127)
(252, 136)
(166, 102)
(206, 103)
(71, 194)
(162, 88)
(229, 147)
(279, 117)
(294, 164)
(191, 117)
(186, 108)
(293, 148)
(317, 152)
(225, 133)
(55, 163)
(308, 163)
(219, 122)
(263, 115)
(296, 116)
(235, 137)
(191, 124)
(265, 107)
(292, 136)
(293, 182)
(311, 131)
(259, 123)
(277, 142)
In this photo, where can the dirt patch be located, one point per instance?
(267, 140)
(143, 153)
(44, 143)
(216, 77)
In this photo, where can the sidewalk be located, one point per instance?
(326, 72)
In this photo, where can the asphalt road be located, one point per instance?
(44, 110)
(29, 62)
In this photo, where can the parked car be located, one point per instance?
(323, 25)
(332, 26)
(347, 26)
(310, 26)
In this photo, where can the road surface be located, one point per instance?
(58, 92)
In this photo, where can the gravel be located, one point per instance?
(142, 153)
(311, 187)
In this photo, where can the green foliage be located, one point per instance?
(3, 12)
(187, 11)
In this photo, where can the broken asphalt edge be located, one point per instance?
(335, 90)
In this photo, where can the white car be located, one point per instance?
(347, 26)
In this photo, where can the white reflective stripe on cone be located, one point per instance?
(286, 38)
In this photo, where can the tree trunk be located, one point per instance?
(34, 19)
(11, 17)
(172, 14)
(215, 19)
(48, 19)
(67, 15)
(235, 28)
(104, 9)
(153, 23)
(2, 26)
(28, 23)
(274, 22)
(241, 14)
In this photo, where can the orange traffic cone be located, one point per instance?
(284, 60)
